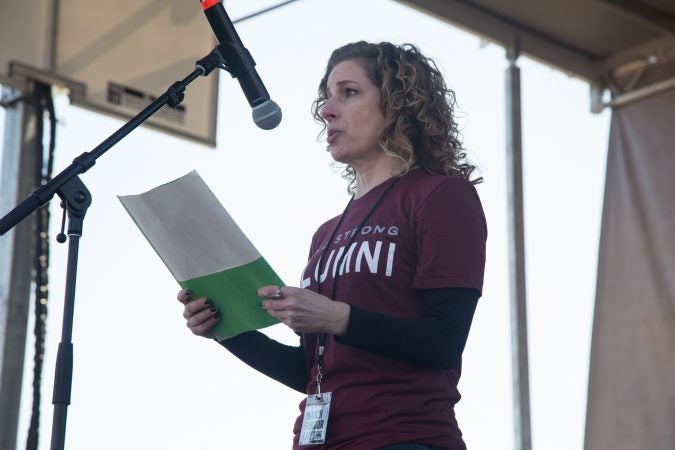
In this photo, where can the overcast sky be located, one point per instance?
(142, 381)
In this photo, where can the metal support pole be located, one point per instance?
(521, 390)
(17, 180)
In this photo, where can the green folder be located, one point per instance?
(205, 250)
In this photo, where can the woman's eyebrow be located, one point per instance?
(346, 81)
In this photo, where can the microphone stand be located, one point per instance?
(76, 199)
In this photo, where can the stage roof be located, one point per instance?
(620, 45)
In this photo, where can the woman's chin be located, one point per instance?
(336, 154)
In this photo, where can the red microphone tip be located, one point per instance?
(206, 4)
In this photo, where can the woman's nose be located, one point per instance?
(328, 111)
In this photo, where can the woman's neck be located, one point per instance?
(369, 177)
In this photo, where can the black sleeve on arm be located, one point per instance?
(436, 340)
(283, 363)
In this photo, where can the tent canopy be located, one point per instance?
(620, 45)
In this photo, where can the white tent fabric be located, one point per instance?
(631, 391)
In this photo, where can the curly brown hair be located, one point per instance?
(418, 107)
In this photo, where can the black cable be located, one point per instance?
(44, 105)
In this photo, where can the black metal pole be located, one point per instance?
(77, 199)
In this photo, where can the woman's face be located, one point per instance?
(353, 115)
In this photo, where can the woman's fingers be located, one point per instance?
(202, 322)
(200, 314)
(273, 292)
(303, 310)
(199, 310)
(184, 295)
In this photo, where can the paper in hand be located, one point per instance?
(205, 250)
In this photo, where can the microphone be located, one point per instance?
(239, 62)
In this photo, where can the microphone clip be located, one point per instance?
(229, 57)
(211, 61)
(236, 59)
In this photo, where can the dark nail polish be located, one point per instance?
(217, 315)
(208, 302)
(213, 309)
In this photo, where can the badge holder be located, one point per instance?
(317, 407)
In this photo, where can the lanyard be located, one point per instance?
(338, 263)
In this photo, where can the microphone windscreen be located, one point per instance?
(267, 115)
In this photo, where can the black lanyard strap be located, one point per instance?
(322, 336)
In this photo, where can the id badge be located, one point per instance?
(315, 419)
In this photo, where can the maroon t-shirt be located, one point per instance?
(428, 232)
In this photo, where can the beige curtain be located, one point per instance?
(631, 390)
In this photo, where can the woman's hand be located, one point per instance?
(201, 314)
(305, 311)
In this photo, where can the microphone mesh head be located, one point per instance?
(267, 115)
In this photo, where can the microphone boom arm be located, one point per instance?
(172, 97)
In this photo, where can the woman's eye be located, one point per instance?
(349, 92)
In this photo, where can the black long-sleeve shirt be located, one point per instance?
(435, 340)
